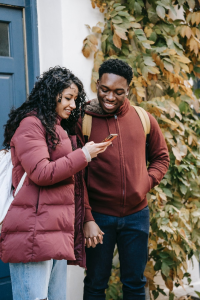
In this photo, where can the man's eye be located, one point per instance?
(104, 90)
(119, 94)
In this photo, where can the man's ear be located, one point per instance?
(127, 92)
(97, 84)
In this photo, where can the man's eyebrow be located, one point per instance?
(115, 89)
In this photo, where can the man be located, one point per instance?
(117, 182)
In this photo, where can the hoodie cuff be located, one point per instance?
(88, 215)
(151, 181)
(87, 154)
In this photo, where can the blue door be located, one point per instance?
(12, 63)
(12, 91)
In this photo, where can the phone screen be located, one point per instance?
(110, 138)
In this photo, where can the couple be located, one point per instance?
(50, 220)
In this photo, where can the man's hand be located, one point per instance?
(93, 234)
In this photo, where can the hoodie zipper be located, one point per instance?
(121, 158)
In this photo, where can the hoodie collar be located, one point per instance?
(93, 108)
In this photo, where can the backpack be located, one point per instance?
(87, 125)
(6, 188)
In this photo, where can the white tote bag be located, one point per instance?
(6, 191)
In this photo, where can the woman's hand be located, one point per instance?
(94, 149)
(93, 234)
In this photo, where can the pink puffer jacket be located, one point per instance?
(40, 222)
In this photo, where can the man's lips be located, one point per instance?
(109, 105)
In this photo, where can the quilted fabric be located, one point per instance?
(40, 222)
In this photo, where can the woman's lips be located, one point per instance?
(109, 105)
(68, 111)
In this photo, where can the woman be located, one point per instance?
(38, 231)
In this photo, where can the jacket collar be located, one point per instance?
(58, 120)
(93, 108)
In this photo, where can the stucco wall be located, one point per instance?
(61, 27)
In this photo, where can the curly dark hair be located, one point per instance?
(42, 104)
(118, 67)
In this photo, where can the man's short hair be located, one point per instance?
(118, 67)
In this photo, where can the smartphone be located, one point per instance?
(110, 138)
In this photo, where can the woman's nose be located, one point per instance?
(72, 104)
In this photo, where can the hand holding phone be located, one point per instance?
(110, 138)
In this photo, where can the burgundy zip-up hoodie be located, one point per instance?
(118, 179)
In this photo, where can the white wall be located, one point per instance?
(61, 28)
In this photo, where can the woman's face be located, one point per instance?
(67, 101)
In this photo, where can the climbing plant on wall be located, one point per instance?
(159, 39)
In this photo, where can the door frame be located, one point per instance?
(31, 42)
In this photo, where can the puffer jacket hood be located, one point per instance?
(41, 221)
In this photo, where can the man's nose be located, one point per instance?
(110, 96)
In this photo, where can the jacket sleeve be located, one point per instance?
(31, 148)
(88, 213)
(158, 155)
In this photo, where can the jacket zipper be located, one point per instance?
(123, 183)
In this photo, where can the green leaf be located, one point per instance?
(168, 66)
(160, 11)
(137, 8)
(148, 61)
(167, 192)
(104, 37)
(118, 8)
(163, 255)
(123, 13)
(117, 20)
(165, 269)
(153, 17)
(153, 37)
(171, 296)
(183, 189)
(197, 69)
(198, 294)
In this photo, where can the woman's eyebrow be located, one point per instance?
(70, 95)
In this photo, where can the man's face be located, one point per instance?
(111, 92)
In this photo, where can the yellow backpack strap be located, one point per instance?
(87, 125)
(144, 119)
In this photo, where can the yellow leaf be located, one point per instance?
(92, 38)
(117, 41)
(153, 70)
(93, 86)
(188, 32)
(148, 31)
(86, 50)
(169, 283)
(96, 29)
(149, 270)
(183, 59)
(190, 138)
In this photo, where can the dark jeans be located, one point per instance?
(130, 233)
